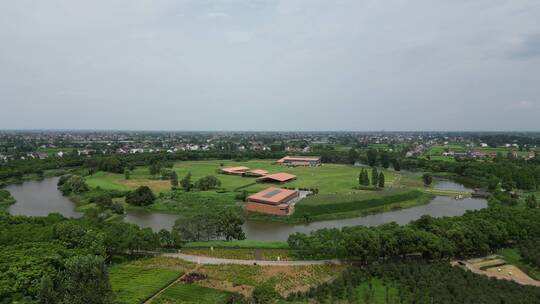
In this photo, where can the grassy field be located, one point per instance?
(132, 284)
(329, 178)
(181, 293)
(512, 256)
(376, 291)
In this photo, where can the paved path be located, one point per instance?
(217, 261)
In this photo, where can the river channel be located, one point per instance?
(35, 198)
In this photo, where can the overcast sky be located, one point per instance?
(270, 65)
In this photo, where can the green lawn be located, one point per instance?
(322, 207)
(132, 284)
(329, 178)
(512, 256)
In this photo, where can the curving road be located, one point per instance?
(217, 261)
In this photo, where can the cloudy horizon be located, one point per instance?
(270, 65)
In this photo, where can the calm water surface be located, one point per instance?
(42, 197)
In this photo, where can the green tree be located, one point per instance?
(186, 182)
(85, 281)
(174, 180)
(103, 201)
(374, 176)
(381, 180)
(427, 178)
(397, 165)
(385, 160)
(531, 201)
(493, 183)
(365, 177)
(142, 196)
(372, 155)
(353, 156)
(127, 174)
(155, 168)
(74, 184)
(230, 226)
(207, 183)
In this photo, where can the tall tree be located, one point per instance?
(374, 176)
(381, 180)
(427, 178)
(353, 155)
(385, 160)
(397, 165)
(174, 179)
(372, 155)
(85, 281)
(186, 182)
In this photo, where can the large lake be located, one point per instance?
(36, 198)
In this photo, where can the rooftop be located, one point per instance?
(279, 177)
(272, 195)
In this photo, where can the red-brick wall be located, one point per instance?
(267, 209)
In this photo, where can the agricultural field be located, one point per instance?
(243, 279)
(181, 293)
(133, 284)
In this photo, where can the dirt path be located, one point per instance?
(217, 261)
(501, 276)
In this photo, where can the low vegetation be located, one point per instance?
(133, 284)
(181, 293)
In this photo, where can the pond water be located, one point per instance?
(444, 184)
(42, 197)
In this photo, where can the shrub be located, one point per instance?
(142, 196)
(75, 184)
(265, 293)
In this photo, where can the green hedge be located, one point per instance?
(339, 207)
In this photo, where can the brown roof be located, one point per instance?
(236, 170)
(259, 172)
(300, 158)
(274, 196)
(279, 177)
